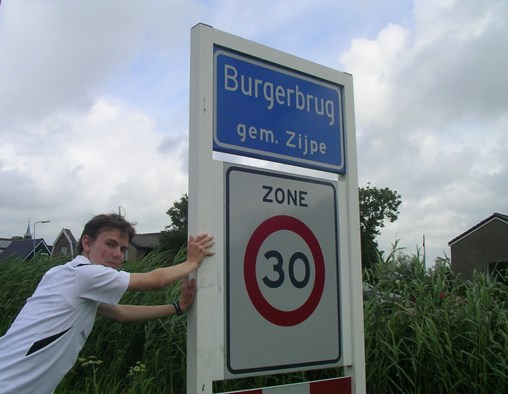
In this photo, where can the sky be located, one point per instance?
(94, 105)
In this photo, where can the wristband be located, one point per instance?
(177, 307)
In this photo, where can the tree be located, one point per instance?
(376, 206)
(175, 235)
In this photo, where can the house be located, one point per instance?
(484, 247)
(24, 248)
(141, 245)
(65, 244)
(4, 243)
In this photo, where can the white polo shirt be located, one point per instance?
(44, 341)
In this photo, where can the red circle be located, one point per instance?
(269, 312)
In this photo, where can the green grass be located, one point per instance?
(426, 331)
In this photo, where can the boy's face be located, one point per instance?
(107, 249)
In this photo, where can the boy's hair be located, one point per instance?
(103, 222)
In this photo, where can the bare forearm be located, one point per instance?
(197, 249)
(160, 278)
(133, 313)
(168, 275)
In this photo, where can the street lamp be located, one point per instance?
(41, 221)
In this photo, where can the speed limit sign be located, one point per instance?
(282, 272)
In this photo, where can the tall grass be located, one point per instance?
(426, 331)
(18, 280)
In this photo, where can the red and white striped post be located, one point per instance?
(329, 386)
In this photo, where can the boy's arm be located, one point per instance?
(197, 249)
(131, 313)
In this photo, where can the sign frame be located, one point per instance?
(205, 328)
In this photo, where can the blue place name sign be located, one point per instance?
(270, 112)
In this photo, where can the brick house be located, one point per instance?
(483, 247)
(141, 245)
(65, 244)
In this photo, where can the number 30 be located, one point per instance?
(278, 268)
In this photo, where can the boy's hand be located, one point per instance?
(187, 294)
(198, 248)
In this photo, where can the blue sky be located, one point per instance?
(94, 104)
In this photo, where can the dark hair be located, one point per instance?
(103, 222)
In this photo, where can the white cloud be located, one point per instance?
(107, 157)
(374, 64)
(432, 117)
(94, 104)
(62, 53)
(58, 52)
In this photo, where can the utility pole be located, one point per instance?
(40, 221)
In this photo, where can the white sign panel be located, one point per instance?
(282, 272)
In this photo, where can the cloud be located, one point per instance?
(94, 104)
(374, 64)
(81, 130)
(431, 113)
(110, 156)
(67, 47)
(61, 54)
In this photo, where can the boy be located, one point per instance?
(44, 341)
